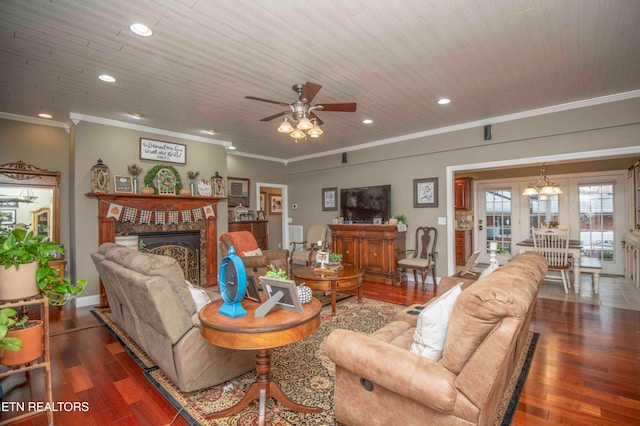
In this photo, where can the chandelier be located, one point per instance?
(542, 186)
(27, 195)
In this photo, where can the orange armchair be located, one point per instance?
(256, 261)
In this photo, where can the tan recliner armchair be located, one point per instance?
(302, 251)
(256, 265)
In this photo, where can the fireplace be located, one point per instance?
(130, 214)
(184, 246)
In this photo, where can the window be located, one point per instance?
(543, 209)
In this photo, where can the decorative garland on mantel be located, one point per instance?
(159, 216)
(151, 175)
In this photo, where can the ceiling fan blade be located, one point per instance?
(309, 91)
(346, 107)
(271, 117)
(267, 100)
(318, 120)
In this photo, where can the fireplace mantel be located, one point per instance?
(107, 225)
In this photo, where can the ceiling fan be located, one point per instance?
(303, 113)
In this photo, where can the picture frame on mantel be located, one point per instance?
(425, 192)
(163, 152)
(123, 184)
(238, 191)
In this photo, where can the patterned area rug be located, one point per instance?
(302, 370)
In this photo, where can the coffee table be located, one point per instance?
(277, 328)
(345, 279)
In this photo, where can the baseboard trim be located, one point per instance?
(87, 301)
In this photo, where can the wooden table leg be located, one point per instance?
(334, 290)
(262, 389)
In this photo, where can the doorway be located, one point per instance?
(265, 194)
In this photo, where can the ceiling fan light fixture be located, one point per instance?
(315, 131)
(297, 134)
(304, 124)
(285, 126)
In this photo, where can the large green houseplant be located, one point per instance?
(21, 249)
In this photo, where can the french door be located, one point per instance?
(593, 207)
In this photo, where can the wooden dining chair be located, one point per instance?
(553, 244)
(423, 257)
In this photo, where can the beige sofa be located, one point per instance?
(150, 300)
(486, 333)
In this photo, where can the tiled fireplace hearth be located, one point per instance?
(126, 214)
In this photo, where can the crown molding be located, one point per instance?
(479, 123)
(34, 120)
(77, 118)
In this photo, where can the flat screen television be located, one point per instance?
(362, 205)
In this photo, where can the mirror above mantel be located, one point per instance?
(40, 186)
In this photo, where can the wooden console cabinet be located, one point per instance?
(373, 248)
(259, 229)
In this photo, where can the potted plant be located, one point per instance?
(279, 273)
(335, 259)
(25, 270)
(400, 218)
(21, 339)
(7, 319)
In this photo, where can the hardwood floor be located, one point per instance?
(586, 369)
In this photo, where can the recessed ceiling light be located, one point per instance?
(45, 115)
(135, 115)
(231, 148)
(107, 78)
(367, 121)
(444, 101)
(210, 131)
(141, 29)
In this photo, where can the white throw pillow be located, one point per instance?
(200, 297)
(492, 267)
(433, 322)
(256, 252)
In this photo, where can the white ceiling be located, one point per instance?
(393, 58)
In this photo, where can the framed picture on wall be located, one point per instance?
(275, 204)
(238, 191)
(329, 199)
(425, 192)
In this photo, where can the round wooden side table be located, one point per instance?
(278, 328)
(345, 279)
